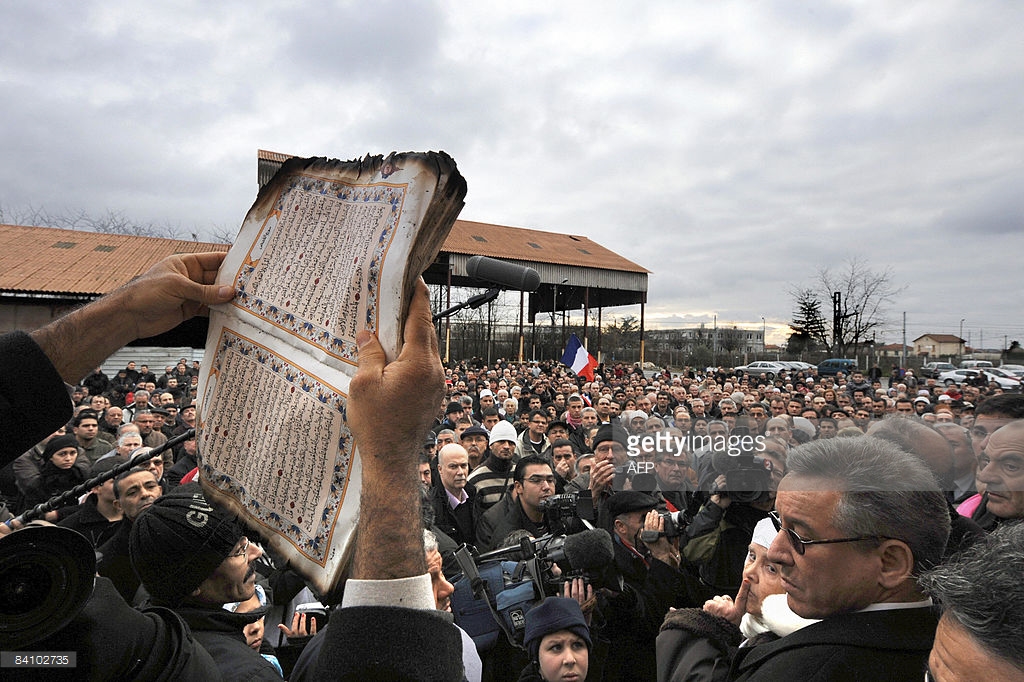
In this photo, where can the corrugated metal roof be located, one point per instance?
(517, 243)
(54, 261)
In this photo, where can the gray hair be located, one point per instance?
(981, 590)
(910, 435)
(130, 434)
(429, 541)
(884, 492)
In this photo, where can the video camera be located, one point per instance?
(564, 513)
(747, 476)
(675, 525)
(493, 595)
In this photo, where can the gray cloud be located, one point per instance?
(731, 148)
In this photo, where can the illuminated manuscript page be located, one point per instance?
(328, 248)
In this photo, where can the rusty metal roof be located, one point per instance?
(517, 243)
(48, 260)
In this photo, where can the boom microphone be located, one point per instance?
(503, 273)
(588, 550)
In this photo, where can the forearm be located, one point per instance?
(389, 542)
(81, 340)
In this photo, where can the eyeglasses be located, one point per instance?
(537, 480)
(242, 552)
(800, 543)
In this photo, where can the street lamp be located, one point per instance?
(961, 337)
(554, 308)
(763, 344)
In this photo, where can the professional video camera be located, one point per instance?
(564, 513)
(747, 476)
(493, 595)
(47, 573)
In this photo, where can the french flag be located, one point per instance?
(578, 359)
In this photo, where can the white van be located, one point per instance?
(975, 364)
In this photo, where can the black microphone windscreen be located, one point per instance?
(503, 273)
(591, 549)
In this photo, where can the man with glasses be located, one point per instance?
(672, 472)
(534, 482)
(858, 520)
(193, 558)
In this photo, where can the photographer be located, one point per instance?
(647, 579)
(742, 493)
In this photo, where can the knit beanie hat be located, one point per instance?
(179, 541)
(502, 431)
(553, 615)
(57, 444)
(613, 432)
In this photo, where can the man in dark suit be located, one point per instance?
(858, 519)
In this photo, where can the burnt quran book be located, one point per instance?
(328, 248)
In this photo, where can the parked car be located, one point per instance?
(932, 370)
(1015, 370)
(765, 367)
(1001, 372)
(800, 365)
(959, 376)
(833, 366)
(975, 364)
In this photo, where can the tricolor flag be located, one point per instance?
(578, 359)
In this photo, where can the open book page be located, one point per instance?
(328, 248)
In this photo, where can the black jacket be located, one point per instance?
(851, 647)
(220, 633)
(460, 529)
(500, 520)
(116, 642)
(88, 521)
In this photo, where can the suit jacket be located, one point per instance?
(876, 645)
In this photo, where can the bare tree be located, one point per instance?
(109, 222)
(858, 297)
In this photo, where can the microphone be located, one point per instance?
(588, 550)
(502, 273)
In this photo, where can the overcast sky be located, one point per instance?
(732, 148)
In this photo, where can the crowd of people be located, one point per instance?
(831, 527)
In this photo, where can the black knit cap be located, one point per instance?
(57, 444)
(611, 432)
(179, 541)
(554, 614)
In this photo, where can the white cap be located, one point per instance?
(502, 431)
(764, 533)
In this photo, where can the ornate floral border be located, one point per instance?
(313, 546)
(317, 334)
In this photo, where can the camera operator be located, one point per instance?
(742, 493)
(534, 482)
(647, 578)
